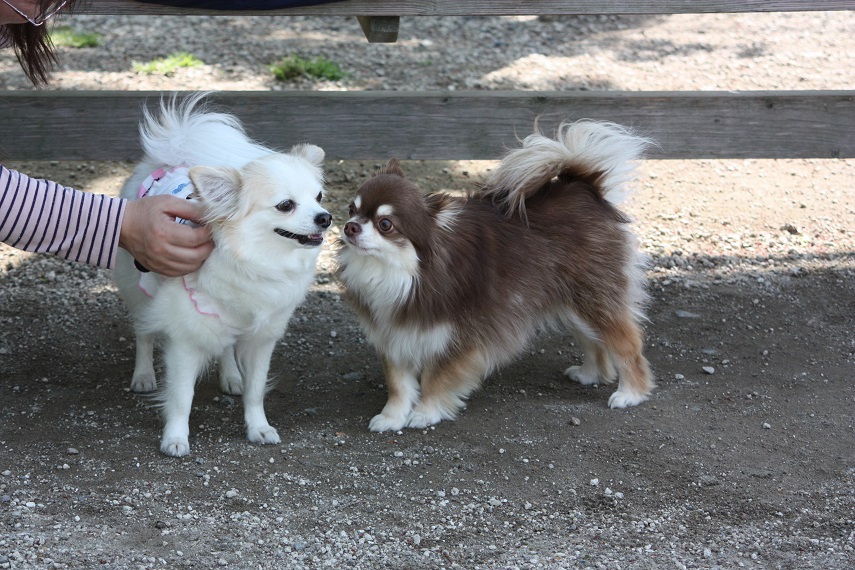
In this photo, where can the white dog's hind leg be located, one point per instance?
(144, 379)
(403, 386)
(183, 365)
(231, 381)
(254, 357)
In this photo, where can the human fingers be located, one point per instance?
(181, 261)
(149, 232)
(182, 209)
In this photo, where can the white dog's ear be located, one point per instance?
(216, 188)
(314, 154)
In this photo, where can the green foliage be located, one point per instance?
(294, 66)
(169, 64)
(66, 36)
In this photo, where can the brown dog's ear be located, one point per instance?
(393, 167)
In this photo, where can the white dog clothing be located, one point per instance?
(175, 182)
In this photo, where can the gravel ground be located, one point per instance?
(742, 458)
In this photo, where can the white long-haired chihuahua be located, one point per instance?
(265, 214)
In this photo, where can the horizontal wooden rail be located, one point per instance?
(492, 7)
(96, 125)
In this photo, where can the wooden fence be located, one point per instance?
(94, 125)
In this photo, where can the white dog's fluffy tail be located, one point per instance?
(585, 148)
(185, 133)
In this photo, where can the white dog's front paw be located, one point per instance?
(175, 446)
(387, 422)
(231, 385)
(265, 435)
(583, 376)
(621, 399)
(144, 382)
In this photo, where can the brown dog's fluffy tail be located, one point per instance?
(606, 151)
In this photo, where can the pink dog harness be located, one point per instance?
(175, 182)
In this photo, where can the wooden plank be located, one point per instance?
(93, 125)
(493, 7)
(380, 29)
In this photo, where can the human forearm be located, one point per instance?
(42, 216)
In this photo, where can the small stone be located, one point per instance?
(766, 426)
(595, 482)
(575, 421)
(355, 376)
(231, 493)
(686, 314)
(72, 451)
(333, 334)
(708, 370)
(679, 377)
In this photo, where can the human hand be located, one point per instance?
(151, 235)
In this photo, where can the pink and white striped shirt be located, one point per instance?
(42, 216)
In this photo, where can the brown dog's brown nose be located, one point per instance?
(351, 229)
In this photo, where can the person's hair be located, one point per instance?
(32, 44)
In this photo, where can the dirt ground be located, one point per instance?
(743, 457)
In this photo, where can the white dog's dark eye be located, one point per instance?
(320, 197)
(285, 205)
(385, 225)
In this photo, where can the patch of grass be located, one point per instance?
(66, 36)
(294, 66)
(169, 64)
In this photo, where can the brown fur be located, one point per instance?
(495, 279)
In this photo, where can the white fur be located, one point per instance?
(385, 269)
(255, 277)
(589, 145)
(397, 410)
(447, 217)
(385, 210)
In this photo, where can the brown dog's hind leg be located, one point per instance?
(623, 339)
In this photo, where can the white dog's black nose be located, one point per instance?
(324, 220)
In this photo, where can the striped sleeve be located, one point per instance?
(45, 217)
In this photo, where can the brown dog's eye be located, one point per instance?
(385, 225)
(351, 210)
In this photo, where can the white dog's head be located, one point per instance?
(272, 205)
